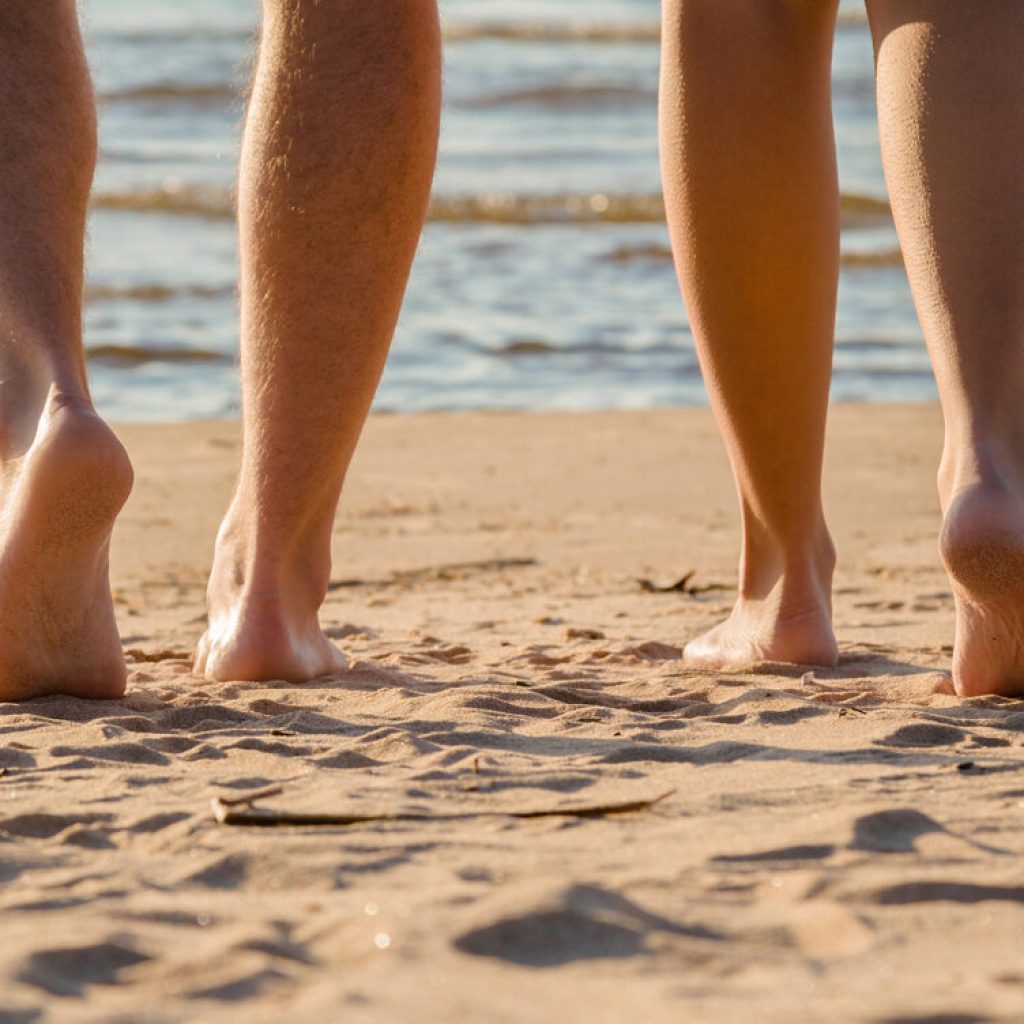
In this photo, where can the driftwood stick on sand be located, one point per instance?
(227, 813)
(683, 585)
(248, 799)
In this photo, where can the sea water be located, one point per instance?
(544, 278)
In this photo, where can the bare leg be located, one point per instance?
(63, 474)
(951, 101)
(339, 152)
(749, 169)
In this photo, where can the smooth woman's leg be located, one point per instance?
(750, 179)
(339, 152)
(951, 105)
(63, 474)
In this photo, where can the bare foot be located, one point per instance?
(760, 631)
(982, 546)
(61, 487)
(261, 631)
(792, 623)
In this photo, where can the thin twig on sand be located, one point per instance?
(248, 799)
(226, 812)
(683, 585)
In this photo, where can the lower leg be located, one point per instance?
(63, 474)
(749, 170)
(951, 102)
(338, 156)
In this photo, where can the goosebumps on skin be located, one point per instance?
(63, 474)
(338, 156)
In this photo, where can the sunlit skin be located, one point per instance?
(748, 161)
(337, 161)
(951, 105)
(332, 197)
(753, 203)
(63, 474)
(339, 152)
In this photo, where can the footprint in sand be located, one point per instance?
(892, 831)
(46, 826)
(70, 971)
(924, 734)
(946, 892)
(579, 923)
(901, 829)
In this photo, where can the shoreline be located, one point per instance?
(126, 423)
(419, 479)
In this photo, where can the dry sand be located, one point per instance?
(842, 848)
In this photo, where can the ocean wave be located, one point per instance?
(854, 18)
(203, 201)
(558, 97)
(562, 208)
(495, 208)
(198, 94)
(858, 210)
(880, 345)
(663, 254)
(554, 32)
(640, 254)
(226, 94)
(535, 347)
(137, 355)
(489, 208)
(453, 31)
(630, 208)
(530, 347)
(154, 292)
(876, 258)
(585, 31)
(163, 35)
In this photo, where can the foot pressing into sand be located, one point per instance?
(327, 238)
(982, 547)
(787, 618)
(63, 474)
(961, 242)
(263, 616)
(61, 486)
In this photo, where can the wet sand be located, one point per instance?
(842, 846)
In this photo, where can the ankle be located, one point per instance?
(30, 389)
(796, 569)
(253, 568)
(979, 458)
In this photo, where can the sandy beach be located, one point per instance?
(514, 592)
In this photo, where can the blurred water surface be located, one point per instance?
(543, 280)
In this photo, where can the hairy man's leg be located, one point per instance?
(951, 104)
(753, 207)
(339, 153)
(63, 474)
